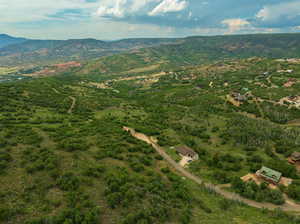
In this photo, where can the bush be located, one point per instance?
(222, 177)
(71, 216)
(95, 171)
(68, 182)
(73, 144)
(36, 159)
(5, 158)
(293, 191)
(225, 204)
(257, 192)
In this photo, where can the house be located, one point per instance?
(269, 175)
(239, 97)
(294, 158)
(286, 71)
(187, 152)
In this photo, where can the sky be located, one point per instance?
(116, 19)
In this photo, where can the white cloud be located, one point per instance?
(289, 10)
(122, 8)
(139, 4)
(235, 24)
(115, 10)
(169, 6)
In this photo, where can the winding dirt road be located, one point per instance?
(226, 194)
(72, 105)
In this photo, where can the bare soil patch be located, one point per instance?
(234, 102)
(252, 177)
(184, 161)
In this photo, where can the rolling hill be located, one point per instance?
(66, 158)
(184, 51)
(199, 50)
(53, 51)
(65, 155)
(6, 40)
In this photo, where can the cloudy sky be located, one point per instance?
(115, 19)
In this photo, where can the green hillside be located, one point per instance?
(184, 51)
(34, 52)
(65, 158)
(200, 50)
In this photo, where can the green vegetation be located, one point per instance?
(259, 193)
(293, 190)
(78, 166)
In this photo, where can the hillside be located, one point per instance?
(54, 51)
(6, 40)
(200, 50)
(173, 52)
(65, 157)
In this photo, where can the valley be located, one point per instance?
(66, 155)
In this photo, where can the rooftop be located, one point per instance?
(184, 150)
(270, 174)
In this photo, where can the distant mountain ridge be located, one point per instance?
(199, 50)
(179, 51)
(6, 40)
(53, 51)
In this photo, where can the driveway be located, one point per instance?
(196, 179)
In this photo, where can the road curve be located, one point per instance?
(72, 105)
(226, 194)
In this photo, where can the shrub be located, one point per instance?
(68, 182)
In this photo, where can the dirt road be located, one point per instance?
(72, 105)
(229, 195)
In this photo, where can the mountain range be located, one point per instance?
(19, 51)
(185, 51)
(6, 40)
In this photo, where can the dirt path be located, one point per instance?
(187, 174)
(72, 105)
(55, 90)
(71, 97)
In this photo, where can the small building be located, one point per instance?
(187, 152)
(294, 158)
(269, 175)
(239, 97)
